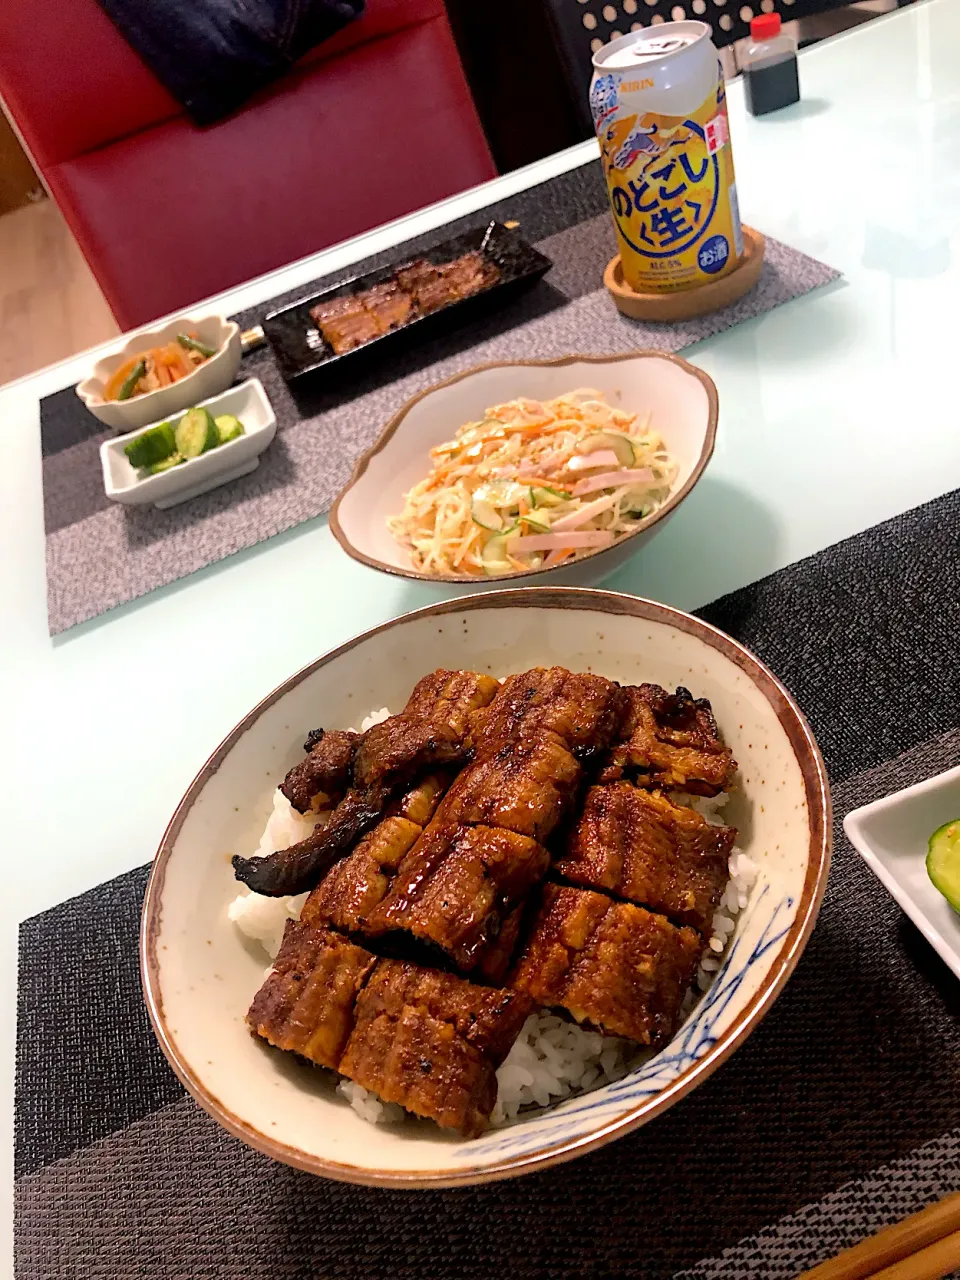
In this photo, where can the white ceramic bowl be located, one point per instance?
(681, 398)
(239, 457)
(208, 379)
(891, 836)
(199, 976)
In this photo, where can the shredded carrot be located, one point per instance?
(558, 556)
(478, 507)
(165, 365)
(118, 378)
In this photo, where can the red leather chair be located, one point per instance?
(375, 123)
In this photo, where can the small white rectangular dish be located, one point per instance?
(891, 836)
(248, 402)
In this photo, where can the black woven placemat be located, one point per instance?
(100, 554)
(841, 1112)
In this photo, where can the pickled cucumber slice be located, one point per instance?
(228, 427)
(152, 445)
(196, 432)
(166, 464)
(943, 861)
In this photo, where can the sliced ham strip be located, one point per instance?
(557, 541)
(590, 461)
(586, 513)
(611, 479)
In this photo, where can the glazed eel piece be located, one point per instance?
(457, 890)
(427, 1040)
(640, 846)
(433, 730)
(670, 741)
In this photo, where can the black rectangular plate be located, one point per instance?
(300, 349)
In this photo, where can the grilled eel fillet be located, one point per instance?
(434, 729)
(430, 1041)
(457, 888)
(584, 712)
(353, 887)
(670, 740)
(610, 964)
(641, 846)
(454, 883)
(322, 776)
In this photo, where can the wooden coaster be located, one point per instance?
(684, 304)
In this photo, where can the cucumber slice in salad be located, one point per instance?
(485, 515)
(494, 554)
(494, 557)
(943, 861)
(536, 522)
(620, 445)
(501, 493)
(543, 496)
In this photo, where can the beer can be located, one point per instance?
(659, 106)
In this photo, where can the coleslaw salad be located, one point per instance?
(532, 484)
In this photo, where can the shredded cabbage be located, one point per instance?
(534, 483)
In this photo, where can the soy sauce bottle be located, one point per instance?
(770, 76)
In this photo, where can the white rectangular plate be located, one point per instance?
(891, 836)
(248, 402)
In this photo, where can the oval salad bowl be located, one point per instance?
(200, 972)
(680, 399)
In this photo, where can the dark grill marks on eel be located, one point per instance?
(457, 871)
(641, 846)
(427, 1040)
(670, 741)
(617, 965)
(484, 850)
(434, 729)
(612, 965)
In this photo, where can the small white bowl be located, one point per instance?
(681, 399)
(229, 461)
(208, 379)
(199, 975)
(891, 836)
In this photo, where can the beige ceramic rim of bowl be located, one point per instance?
(817, 793)
(396, 421)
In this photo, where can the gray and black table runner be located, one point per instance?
(101, 554)
(840, 1114)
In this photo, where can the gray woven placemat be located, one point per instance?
(101, 554)
(840, 1114)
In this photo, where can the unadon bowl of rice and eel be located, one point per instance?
(553, 857)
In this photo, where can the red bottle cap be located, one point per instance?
(766, 26)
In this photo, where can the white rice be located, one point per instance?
(552, 1058)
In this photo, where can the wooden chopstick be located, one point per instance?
(909, 1250)
(939, 1259)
